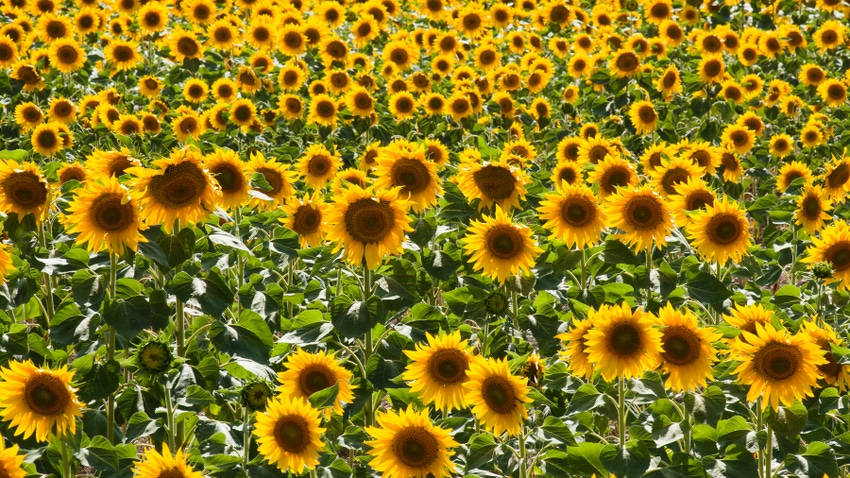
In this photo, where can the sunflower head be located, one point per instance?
(256, 395)
(720, 232)
(307, 373)
(623, 343)
(155, 464)
(642, 216)
(437, 370)
(688, 352)
(154, 358)
(497, 396)
(499, 247)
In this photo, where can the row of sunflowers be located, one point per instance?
(424, 238)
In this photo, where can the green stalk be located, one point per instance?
(523, 455)
(246, 440)
(621, 410)
(760, 426)
(648, 275)
(169, 413)
(793, 245)
(769, 454)
(367, 342)
(688, 422)
(110, 350)
(583, 263)
(240, 263)
(66, 461)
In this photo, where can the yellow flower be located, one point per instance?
(439, 369)
(105, 216)
(408, 170)
(573, 215)
(497, 397)
(155, 465)
(688, 352)
(369, 224)
(408, 444)
(812, 206)
(833, 246)
(575, 343)
(307, 373)
(307, 217)
(499, 248)
(288, 434)
(317, 166)
(10, 462)
(66, 55)
(23, 189)
(228, 170)
(38, 401)
(720, 232)
(778, 367)
(622, 343)
(643, 116)
(641, 215)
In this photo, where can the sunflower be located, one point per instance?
(612, 173)
(496, 396)
(472, 20)
(228, 170)
(195, 90)
(439, 369)
(111, 163)
(688, 351)
(276, 175)
(156, 465)
(711, 69)
(243, 112)
(153, 17)
(594, 149)
(177, 188)
(738, 137)
(836, 178)
(66, 55)
(641, 215)
(333, 49)
(306, 217)
(791, 171)
(720, 232)
(829, 35)
(23, 189)
(579, 65)
(11, 463)
(690, 195)
(72, 171)
(574, 349)
(833, 92)
(38, 401)
(224, 90)
(290, 106)
(105, 216)
(410, 171)
(62, 110)
(199, 11)
(47, 139)
(8, 52)
(317, 166)
(306, 373)
(778, 367)
(122, 54)
(781, 146)
(833, 246)
(28, 116)
(745, 317)
(323, 110)
(836, 374)
(622, 343)
(625, 64)
(573, 215)
(223, 35)
(436, 152)
(402, 105)
(643, 116)
(29, 75)
(184, 44)
(499, 247)
(812, 206)
(703, 154)
(369, 224)
(288, 433)
(186, 125)
(407, 444)
(150, 86)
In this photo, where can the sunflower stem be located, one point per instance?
(648, 275)
(66, 462)
(313, 473)
(759, 427)
(688, 423)
(769, 451)
(240, 262)
(169, 413)
(367, 344)
(523, 454)
(246, 440)
(583, 263)
(110, 350)
(621, 410)
(793, 252)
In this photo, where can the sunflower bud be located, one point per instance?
(154, 357)
(496, 303)
(256, 394)
(822, 270)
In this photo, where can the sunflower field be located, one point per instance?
(424, 238)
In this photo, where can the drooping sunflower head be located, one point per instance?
(177, 188)
(642, 216)
(623, 343)
(792, 171)
(23, 189)
(278, 178)
(407, 443)
(688, 352)
(38, 401)
(437, 370)
(500, 248)
(497, 397)
(307, 217)
(369, 224)
(573, 215)
(307, 373)
(105, 216)
(778, 367)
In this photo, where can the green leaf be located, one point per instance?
(212, 292)
(326, 397)
(821, 460)
(706, 288)
(70, 326)
(631, 461)
(131, 316)
(177, 248)
(787, 296)
(481, 448)
(556, 428)
(353, 319)
(100, 454)
(789, 421)
(223, 238)
(585, 459)
(18, 155)
(615, 252)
